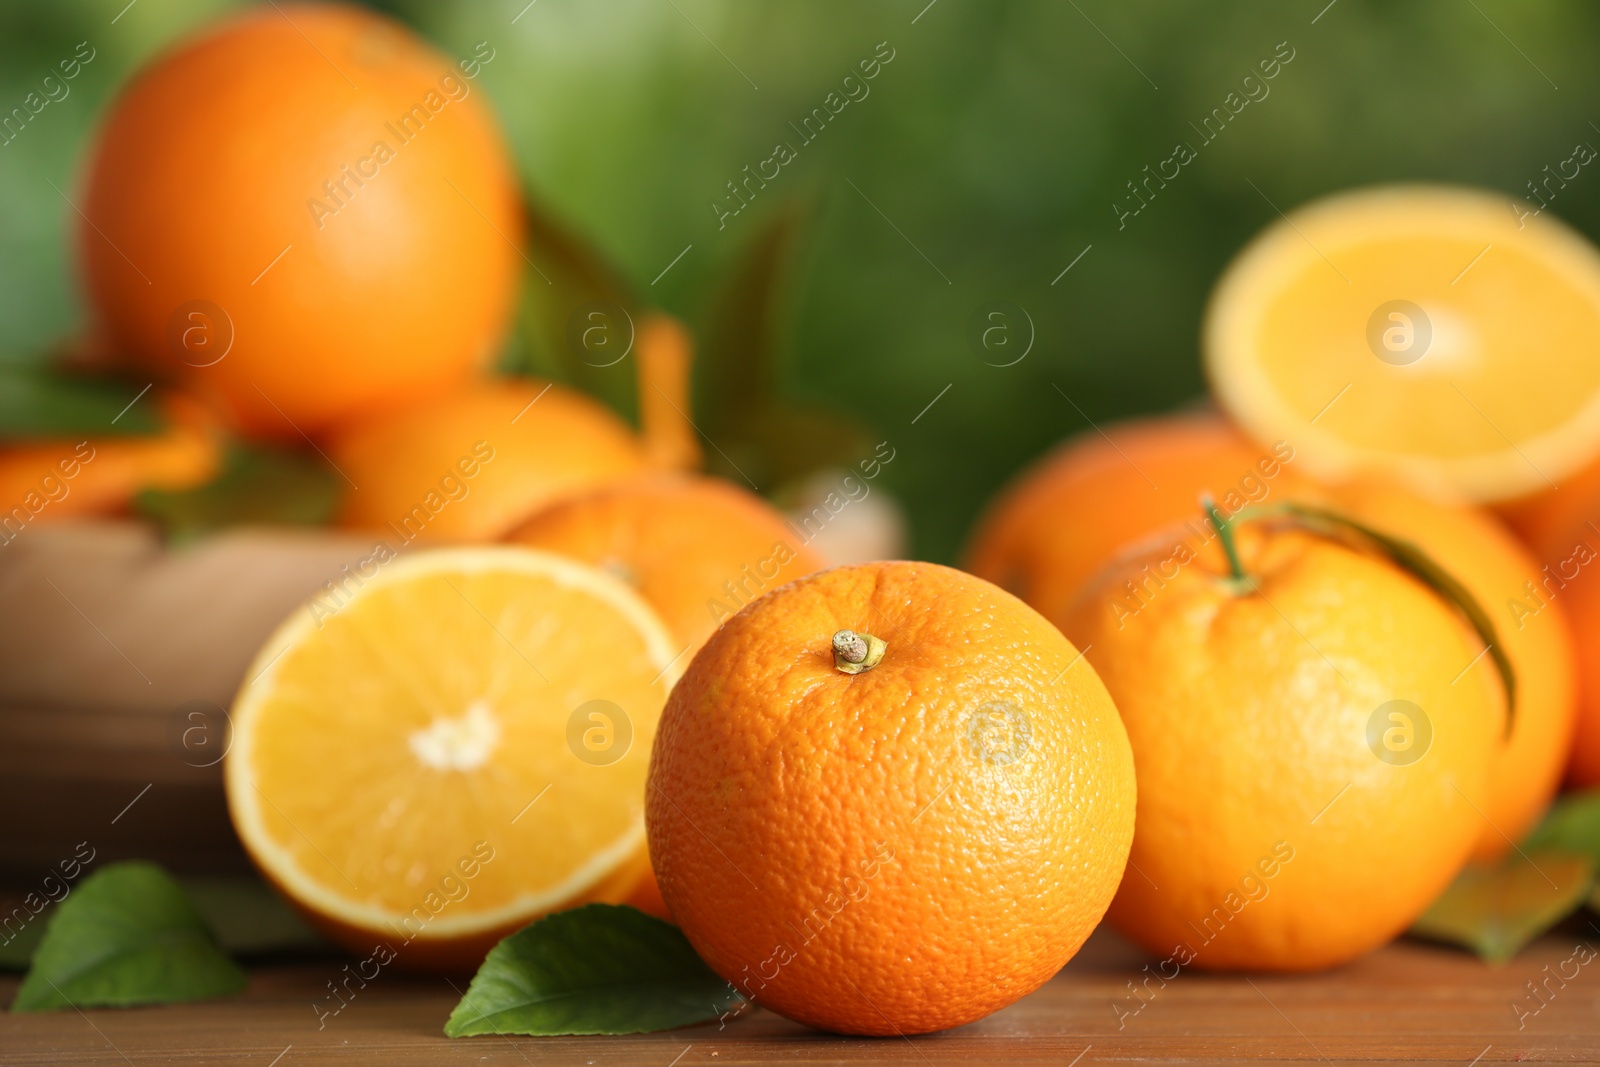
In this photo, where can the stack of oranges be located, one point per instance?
(305, 227)
(342, 277)
(887, 798)
(1325, 730)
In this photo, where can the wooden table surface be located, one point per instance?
(1408, 1003)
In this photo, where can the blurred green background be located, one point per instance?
(989, 154)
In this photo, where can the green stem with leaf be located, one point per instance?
(1402, 553)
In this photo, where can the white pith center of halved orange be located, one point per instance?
(460, 744)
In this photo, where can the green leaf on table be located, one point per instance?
(599, 969)
(256, 486)
(1496, 910)
(250, 919)
(1571, 825)
(127, 935)
(16, 951)
(36, 403)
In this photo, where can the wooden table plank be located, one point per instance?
(1407, 1003)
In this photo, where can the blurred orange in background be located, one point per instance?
(472, 465)
(305, 213)
(697, 549)
(1563, 526)
(1060, 520)
(469, 466)
(1422, 333)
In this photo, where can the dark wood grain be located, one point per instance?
(1408, 1003)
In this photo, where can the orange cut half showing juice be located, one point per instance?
(449, 744)
(1446, 336)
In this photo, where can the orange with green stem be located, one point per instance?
(1286, 824)
(1139, 480)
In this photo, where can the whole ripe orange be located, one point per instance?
(1305, 752)
(472, 465)
(1069, 515)
(697, 549)
(74, 477)
(1547, 520)
(899, 850)
(1562, 526)
(305, 212)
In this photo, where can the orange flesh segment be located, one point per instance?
(1416, 408)
(1423, 333)
(427, 721)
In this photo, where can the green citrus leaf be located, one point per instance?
(740, 361)
(1495, 911)
(16, 949)
(127, 935)
(599, 969)
(36, 403)
(250, 919)
(760, 436)
(256, 486)
(578, 314)
(1571, 825)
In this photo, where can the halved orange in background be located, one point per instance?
(449, 747)
(1447, 336)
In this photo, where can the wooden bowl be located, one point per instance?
(118, 659)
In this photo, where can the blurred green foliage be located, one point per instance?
(988, 154)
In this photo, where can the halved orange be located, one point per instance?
(449, 745)
(1443, 335)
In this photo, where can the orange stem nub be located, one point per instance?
(665, 356)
